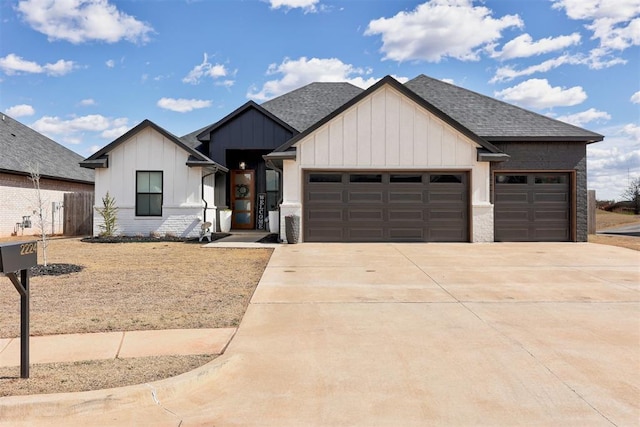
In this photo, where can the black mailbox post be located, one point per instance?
(14, 258)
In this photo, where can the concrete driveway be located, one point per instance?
(405, 335)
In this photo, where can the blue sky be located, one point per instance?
(84, 71)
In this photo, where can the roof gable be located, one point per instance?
(388, 80)
(205, 134)
(99, 159)
(492, 119)
(22, 147)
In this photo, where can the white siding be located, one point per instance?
(182, 207)
(387, 130)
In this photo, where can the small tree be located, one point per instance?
(632, 194)
(41, 211)
(109, 213)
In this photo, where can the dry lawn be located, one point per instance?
(606, 220)
(124, 287)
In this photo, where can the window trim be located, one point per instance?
(138, 214)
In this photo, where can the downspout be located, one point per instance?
(206, 205)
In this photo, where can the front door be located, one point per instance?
(242, 198)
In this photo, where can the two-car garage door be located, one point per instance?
(384, 206)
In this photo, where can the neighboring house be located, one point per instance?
(23, 151)
(421, 161)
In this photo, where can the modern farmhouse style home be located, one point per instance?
(422, 161)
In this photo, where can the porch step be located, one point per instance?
(243, 237)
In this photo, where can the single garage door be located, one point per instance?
(532, 207)
(386, 206)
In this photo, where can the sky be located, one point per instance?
(83, 72)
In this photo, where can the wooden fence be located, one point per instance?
(78, 214)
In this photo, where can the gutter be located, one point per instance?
(206, 205)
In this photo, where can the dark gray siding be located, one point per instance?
(541, 156)
(251, 130)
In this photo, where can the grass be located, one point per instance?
(125, 287)
(606, 220)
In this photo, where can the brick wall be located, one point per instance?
(18, 198)
(538, 156)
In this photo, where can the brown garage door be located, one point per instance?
(532, 207)
(386, 206)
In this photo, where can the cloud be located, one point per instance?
(110, 63)
(13, 64)
(309, 6)
(509, 73)
(584, 117)
(296, 73)
(182, 105)
(635, 98)
(523, 46)
(205, 69)
(87, 102)
(80, 21)
(72, 130)
(439, 29)
(614, 23)
(537, 93)
(612, 162)
(20, 110)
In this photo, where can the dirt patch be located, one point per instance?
(95, 374)
(125, 287)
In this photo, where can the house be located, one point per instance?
(420, 161)
(23, 151)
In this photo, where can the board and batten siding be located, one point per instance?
(388, 131)
(182, 205)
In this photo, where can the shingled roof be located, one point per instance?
(23, 148)
(307, 105)
(492, 119)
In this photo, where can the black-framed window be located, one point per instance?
(149, 193)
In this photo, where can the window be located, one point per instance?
(511, 179)
(325, 177)
(551, 179)
(405, 178)
(365, 178)
(457, 179)
(149, 193)
(273, 185)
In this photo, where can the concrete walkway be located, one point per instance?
(111, 345)
(625, 230)
(405, 335)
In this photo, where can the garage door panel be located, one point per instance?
(406, 215)
(364, 234)
(561, 215)
(325, 197)
(407, 234)
(364, 196)
(523, 215)
(365, 215)
(551, 197)
(325, 234)
(326, 215)
(520, 197)
(452, 234)
(532, 207)
(386, 206)
(406, 197)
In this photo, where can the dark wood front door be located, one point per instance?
(243, 198)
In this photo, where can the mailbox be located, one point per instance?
(18, 256)
(15, 261)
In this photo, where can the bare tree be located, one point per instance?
(632, 194)
(41, 211)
